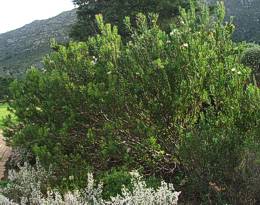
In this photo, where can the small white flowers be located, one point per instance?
(173, 32)
(94, 61)
(185, 45)
(234, 70)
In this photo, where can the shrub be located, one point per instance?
(175, 106)
(27, 184)
(113, 180)
(251, 58)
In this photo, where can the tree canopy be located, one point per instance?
(114, 11)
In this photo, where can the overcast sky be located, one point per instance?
(16, 13)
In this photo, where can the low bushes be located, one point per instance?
(28, 186)
(175, 106)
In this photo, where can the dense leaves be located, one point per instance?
(176, 106)
(251, 57)
(114, 11)
(4, 87)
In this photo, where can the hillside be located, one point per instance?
(23, 47)
(246, 15)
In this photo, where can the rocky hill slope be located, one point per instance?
(23, 47)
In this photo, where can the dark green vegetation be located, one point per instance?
(114, 11)
(246, 19)
(246, 15)
(174, 105)
(251, 58)
(21, 48)
(4, 87)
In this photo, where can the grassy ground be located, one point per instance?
(3, 113)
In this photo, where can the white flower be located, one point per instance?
(233, 69)
(174, 31)
(185, 45)
(94, 60)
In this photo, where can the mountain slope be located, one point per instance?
(246, 15)
(246, 18)
(23, 47)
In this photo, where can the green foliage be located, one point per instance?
(251, 58)
(176, 106)
(4, 87)
(114, 11)
(3, 113)
(113, 182)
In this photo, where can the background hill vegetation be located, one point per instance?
(24, 47)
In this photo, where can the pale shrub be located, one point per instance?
(19, 156)
(91, 195)
(27, 184)
(144, 195)
(5, 201)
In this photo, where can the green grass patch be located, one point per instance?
(3, 113)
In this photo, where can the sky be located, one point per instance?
(16, 13)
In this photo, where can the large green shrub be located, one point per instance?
(175, 106)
